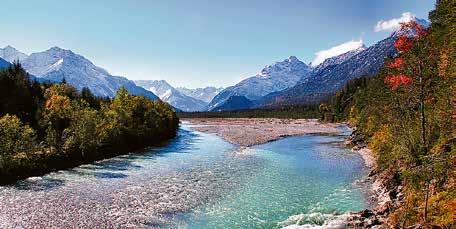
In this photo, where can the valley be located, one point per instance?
(258, 114)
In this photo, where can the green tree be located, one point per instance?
(15, 137)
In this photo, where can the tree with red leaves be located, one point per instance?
(403, 43)
(409, 71)
(395, 81)
(396, 63)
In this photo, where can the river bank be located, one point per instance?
(382, 190)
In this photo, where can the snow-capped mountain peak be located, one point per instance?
(411, 32)
(272, 78)
(205, 94)
(11, 54)
(169, 94)
(340, 58)
(56, 63)
(279, 69)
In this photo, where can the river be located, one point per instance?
(198, 181)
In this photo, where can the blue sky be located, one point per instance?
(196, 43)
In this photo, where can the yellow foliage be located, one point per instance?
(443, 208)
(380, 139)
(14, 136)
(57, 103)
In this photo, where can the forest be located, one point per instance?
(45, 127)
(407, 114)
(291, 112)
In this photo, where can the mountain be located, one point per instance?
(205, 94)
(330, 76)
(272, 78)
(172, 96)
(56, 64)
(333, 74)
(4, 63)
(338, 59)
(235, 102)
(11, 54)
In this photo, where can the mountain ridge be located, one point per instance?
(169, 94)
(327, 79)
(274, 77)
(56, 64)
(205, 94)
(12, 55)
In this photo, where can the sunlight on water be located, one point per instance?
(305, 180)
(197, 181)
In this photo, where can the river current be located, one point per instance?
(198, 180)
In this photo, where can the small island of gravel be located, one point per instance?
(255, 131)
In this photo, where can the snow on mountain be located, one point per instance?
(11, 54)
(333, 74)
(172, 96)
(55, 64)
(276, 77)
(338, 59)
(205, 94)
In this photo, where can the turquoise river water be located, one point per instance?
(198, 181)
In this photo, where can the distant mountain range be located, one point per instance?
(205, 94)
(272, 78)
(55, 64)
(333, 74)
(172, 96)
(313, 84)
(288, 82)
(11, 54)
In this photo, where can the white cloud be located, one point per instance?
(322, 55)
(394, 23)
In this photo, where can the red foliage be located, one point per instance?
(403, 44)
(396, 63)
(395, 81)
(418, 29)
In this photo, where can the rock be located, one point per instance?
(372, 173)
(393, 194)
(371, 222)
(366, 213)
(357, 138)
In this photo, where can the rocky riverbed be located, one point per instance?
(386, 195)
(255, 131)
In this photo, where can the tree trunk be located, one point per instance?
(426, 203)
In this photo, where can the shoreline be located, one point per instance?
(376, 216)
